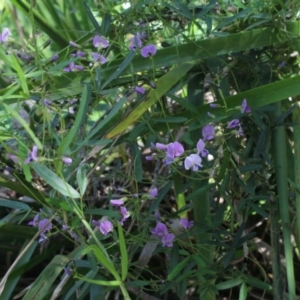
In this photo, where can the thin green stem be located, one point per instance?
(280, 160)
(275, 253)
(296, 132)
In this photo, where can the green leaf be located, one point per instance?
(243, 292)
(20, 73)
(42, 285)
(24, 124)
(124, 254)
(178, 268)
(80, 117)
(91, 16)
(169, 120)
(101, 258)
(120, 69)
(99, 282)
(14, 204)
(229, 284)
(54, 181)
(162, 86)
(82, 179)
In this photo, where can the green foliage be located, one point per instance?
(95, 132)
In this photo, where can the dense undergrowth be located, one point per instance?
(149, 150)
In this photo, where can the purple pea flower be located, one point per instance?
(174, 149)
(35, 220)
(80, 53)
(68, 271)
(116, 202)
(135, 42)
(214, 105)
(42, 224)
(160, 229)
(72, 68)
(47, 102)
(160, 146)
(99, 41)
(32, 156)
(234, 123)
(124, 213)
(140, 90)
(153, 192)
(149, 157)
(148, 50)
(67, 160)
(200, 148)
(193, 161)
(4, 35)
(104, 226)
(186, 224)
(55, 57)
(73, 44)
(244, 107)
(240, 131)
(208, 132)
(99, 58)
(167, 240)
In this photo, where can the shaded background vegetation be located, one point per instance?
(244, 202)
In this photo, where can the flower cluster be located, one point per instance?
(43, 224)
(136, 43)
(161, 231)
(105, 226)
(235, 123)
(33, 154)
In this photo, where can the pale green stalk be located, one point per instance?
(280, 161)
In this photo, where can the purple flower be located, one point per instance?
(55, 57)
(35, 220)
(80, 53)
(136, 42)
(140, 90)
(124, 213)
(148, 50)
(160, 229)
(153, 192)
(104, 226)
(240, 131)
(115, 202)
(43, 224)
(174, 149)
(68, 271)
(213, 105)
(244, 107)
(168, 239)
(67, 160)
(72, 67)
(208, 132)
(168, 160)
(99, 41)
(47, 102)
(281, 65)
(160, 146)
(32, 156)
(149, 157)
(193, 161)
(4, 35)
(200, 148)
(234, 123)
(99, 58)
(186, 224)
(73, 44)
(152, 84)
